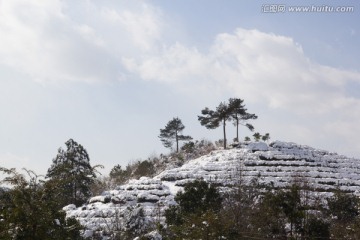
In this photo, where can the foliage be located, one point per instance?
(254, 211)
(145, 168)
(238, 210)
(172, 133)
(29, 210)
(265, 137)
(344, 213)
(212, 119)
(155, 164)
(239, 114)
(234, 110)
(344, 207)
(119, 175)
(188, 147)
(286, 214)
(136, 223)
(72, 173)
(198, 196)
(257, 136)
(317, 228)
(196, 215)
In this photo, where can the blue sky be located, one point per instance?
(110, 74)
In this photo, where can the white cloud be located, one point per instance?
(49, 43)
(45, 41)
(144, 26)
(174, 63)
(266, 70)
(258, 66)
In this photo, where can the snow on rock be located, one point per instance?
(277, 164)
(257, 146)
(154, 235)
(103, 199)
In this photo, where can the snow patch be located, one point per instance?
(257, 146)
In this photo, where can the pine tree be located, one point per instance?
(172, 133)
(72, 172)
(240, 116)
(212, 119)
(257, 136)
(118, 175)
(197, 214)
(343, 207)
(234, 110)
(266, 137)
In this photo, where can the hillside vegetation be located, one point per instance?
(281, 190)
(200, 190)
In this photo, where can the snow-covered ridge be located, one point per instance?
(277, 164)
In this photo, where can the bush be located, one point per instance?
(30, 210)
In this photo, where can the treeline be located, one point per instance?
(31, 205)
(259, 212)
(153, 165)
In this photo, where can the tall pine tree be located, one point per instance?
(234, 110)
(172, 133)
(240, 116)
(212, 119)
(72, 172)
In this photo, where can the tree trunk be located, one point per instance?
(224, 122)
(177, 143)
(237, 129)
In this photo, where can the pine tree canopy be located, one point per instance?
(233, 110)
(72, 169)
(172, 133)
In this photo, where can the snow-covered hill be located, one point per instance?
(142, 202)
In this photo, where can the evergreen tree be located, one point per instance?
(29, 210)
(266, 137)
(344, 214)
(199, 196)
(172, 133)
(257, 136)
(212, 119)
(240, 116)
(72, 172)
(234, 110)
(197, 214)
(247, 139)
(269, 218)
(290, 203)
(145, 168)
(119, 175)
(343, 206)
